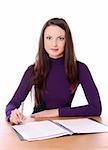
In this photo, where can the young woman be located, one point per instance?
(55, 76)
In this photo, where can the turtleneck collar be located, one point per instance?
(56, 60)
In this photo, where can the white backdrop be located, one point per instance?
(20, 25)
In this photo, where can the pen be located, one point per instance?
(22, 109)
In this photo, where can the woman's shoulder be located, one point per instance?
(83, 71)
(29, 70)
(82, 68)
(81, 65)
(31, 67)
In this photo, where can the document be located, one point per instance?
(40, 130)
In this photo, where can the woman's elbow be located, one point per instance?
(98, 110)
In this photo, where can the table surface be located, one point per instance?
(10, 141)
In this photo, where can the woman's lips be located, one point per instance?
(54, 49)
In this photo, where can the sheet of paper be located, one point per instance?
(39, 130)
(83, 125)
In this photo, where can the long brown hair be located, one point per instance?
(42, 64)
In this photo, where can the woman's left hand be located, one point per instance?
(46, 113)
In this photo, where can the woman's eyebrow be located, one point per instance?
(47, 34)
(57, 36)
(61, 36)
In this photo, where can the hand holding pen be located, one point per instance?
(16, 117)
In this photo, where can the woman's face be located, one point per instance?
(54, 41)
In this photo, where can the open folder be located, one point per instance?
(46, 129)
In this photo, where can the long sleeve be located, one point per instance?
(92, 95)
(20, 94)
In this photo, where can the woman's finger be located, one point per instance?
(16, 117)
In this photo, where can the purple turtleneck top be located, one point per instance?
(57, 93)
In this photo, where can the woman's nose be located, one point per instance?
(54, 42)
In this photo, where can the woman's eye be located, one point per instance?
(61, 38)
(48, 37)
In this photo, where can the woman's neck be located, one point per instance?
(56, 57)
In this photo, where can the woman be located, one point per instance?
(55, 76)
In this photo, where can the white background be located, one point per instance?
(20, 25)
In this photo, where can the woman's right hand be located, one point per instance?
(16, 117)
